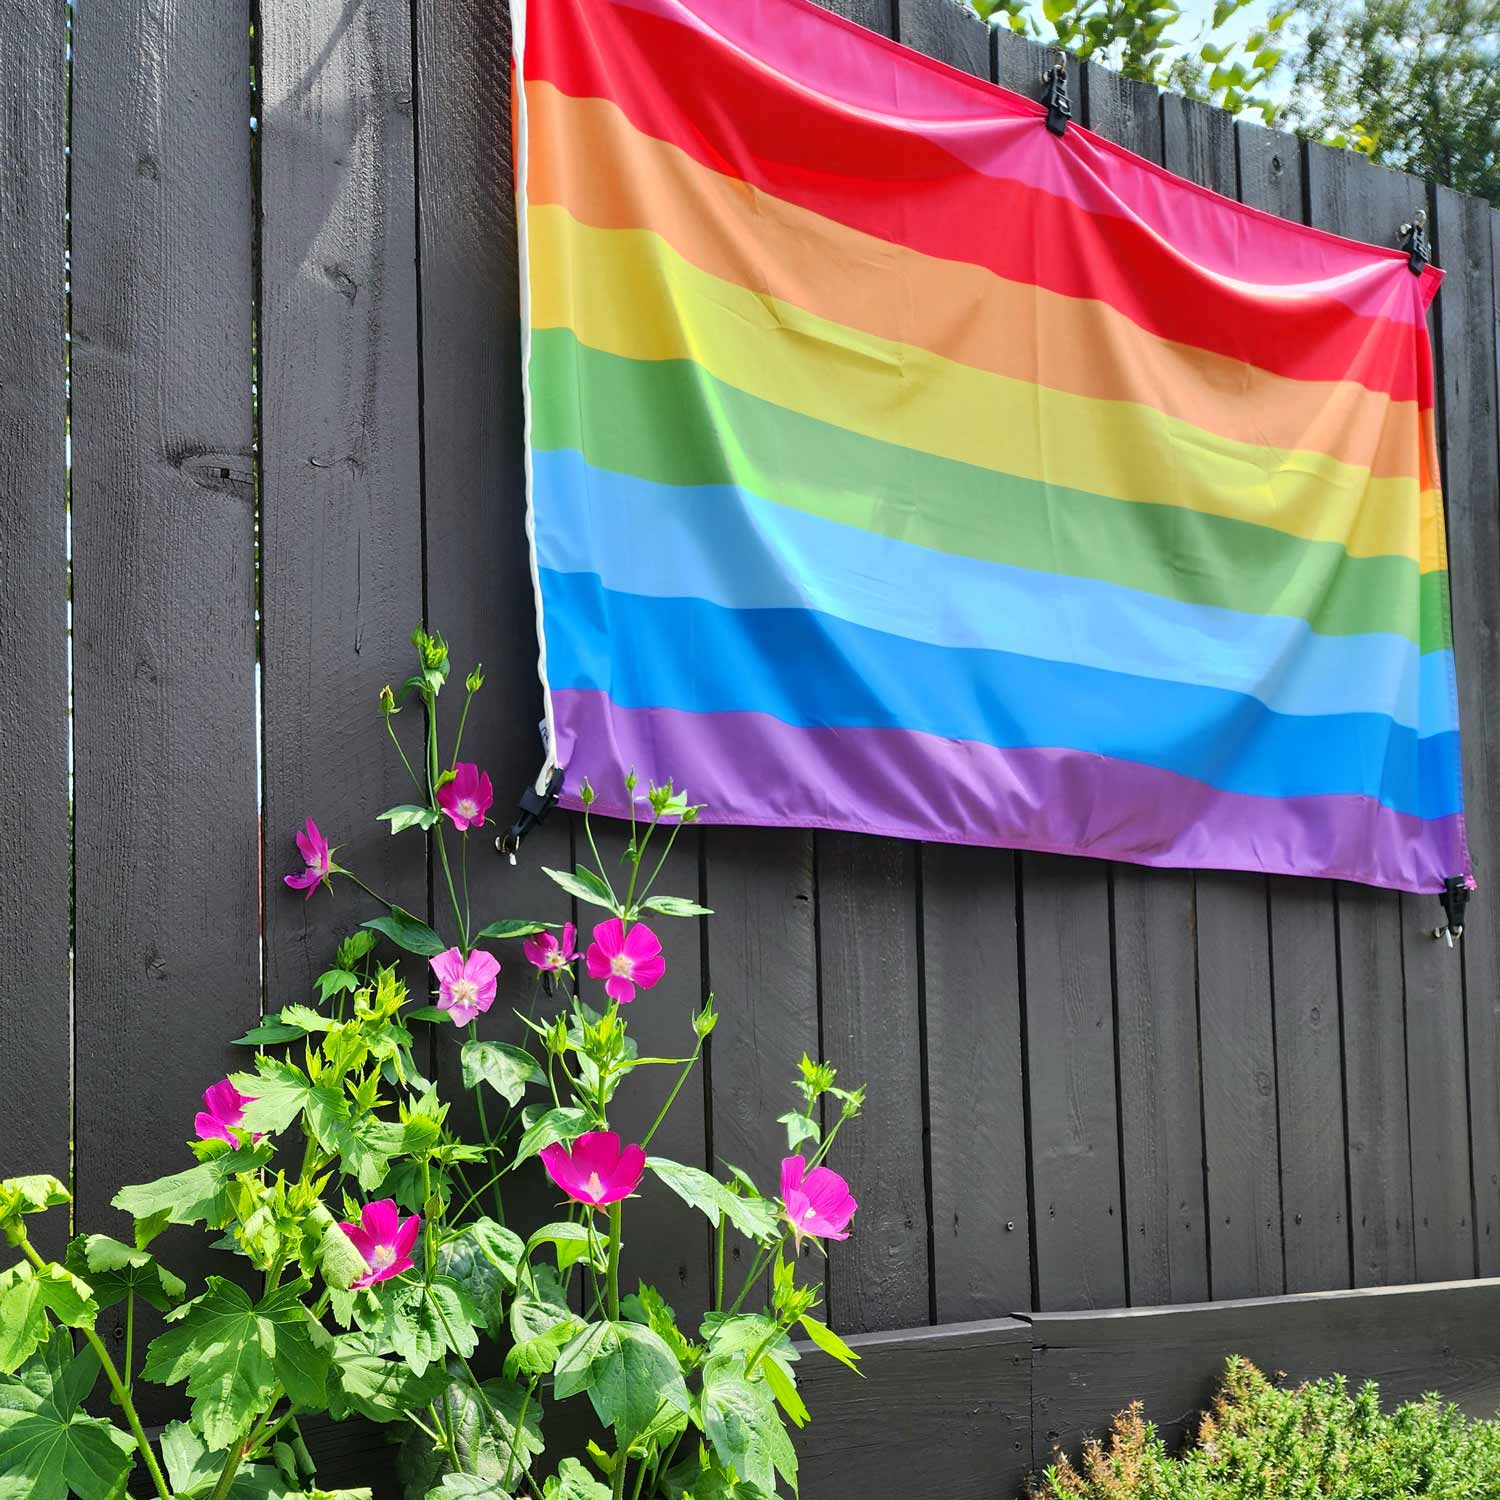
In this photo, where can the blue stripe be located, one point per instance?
(806, 668)
(736, 549)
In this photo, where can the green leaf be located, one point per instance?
(484, 1423)
(277, 1092)
(647, 1305)
(784, 1389)
(799, 1128)
(536, 1356)
(507, 928)
(753, 1217)
(49, 1447)
(428, 1013)
(368, 1383)
(333, 982)
(740, 1422)
(117, 1271)
(573, 1482)
(676, 906)
(407, 815)
(415, 1321)
(508, 1070)
(829, 1342)
(571, 1241)
(26, 1297)
(565, 1124)
(30, 1195)
(270, 1034)
(586, 886)
(233, 1354)
(629, 1373)
(1268, 57)
(193, 1470)
(306, 1019)
(355, 947)
(470, 1487)
(1054, 10)
(483, 1258)
(540, 1306)
(339, 1261)
(408, 934)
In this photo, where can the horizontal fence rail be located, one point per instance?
(260, 414)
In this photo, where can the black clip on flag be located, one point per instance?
(531, 808)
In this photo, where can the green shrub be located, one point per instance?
(1261, 1442)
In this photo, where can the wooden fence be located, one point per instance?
(258, 274)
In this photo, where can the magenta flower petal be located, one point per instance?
(223, 1112)
(381, 1220)
(466, 987)
(641, 943)
(318, 857)
(625, 960)
(209, 1129)
(648, 971)
(384, 1240)
(467, 797)
(595, 1169)
(817, 1202)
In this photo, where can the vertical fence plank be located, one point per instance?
(1198, 143)
(976, 1118)
(163, 586)
(342, 507)
(1352, 197)
(868, 980)
(1466, 328)
(35, 889)
(948, 30)
(878, 15)
(1304, 939)
(1161, 1094)
(761, 945)
(1070, 1053)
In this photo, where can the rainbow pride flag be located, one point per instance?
(896, 465)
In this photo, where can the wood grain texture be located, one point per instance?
(166, 953)
(868, 978)
(878, 15)
(1018, 64)
(976, 1124)
(1198, 143)
(35, 882)
(1122, 110)
(1239, 1086)
(1409, 1339)
(1309, 1086)
(1070, 1050)
(666, 1242)
(1373, 997)
(342, 500)
(1462, 235)
(761, 946)
(941, 1411)
(949, 30)
(1270, 170)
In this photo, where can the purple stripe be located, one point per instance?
(751, 768)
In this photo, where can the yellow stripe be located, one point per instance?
(627, 292)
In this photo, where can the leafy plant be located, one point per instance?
(1262, 1442)
(374, 1271)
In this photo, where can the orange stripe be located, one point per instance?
(585, 155)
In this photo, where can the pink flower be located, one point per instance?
(818, 1203)
(466, 799)
(547, 953)
(594, 1169)
(223, 1110)
(466, 986)
(314, 849)
(625, 960)
(385, 1239)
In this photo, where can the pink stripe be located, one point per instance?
(751, 768)
(847, 67)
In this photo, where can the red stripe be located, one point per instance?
(729, 114)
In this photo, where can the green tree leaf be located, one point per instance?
(270, 1034)
(233, 1353)
(506, 1069)
(49, 1447)
(117, 1271)
(469, 1487)
(408, 934)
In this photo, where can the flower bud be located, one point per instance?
(586, 793)
(706, 1019)
(475, 680)
(388, 701)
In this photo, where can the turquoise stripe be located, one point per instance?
(733, 548)
(806, 668)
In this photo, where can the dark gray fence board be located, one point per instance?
(163, 590)
(1018, 64)
(35, 884)
(1078, 1240)
(1410, 1339)
(1466, 321)
(1309, 1086)
(878, 15)
(948, 30)
(1198, 143)
(1122, 110)
(342, 500)
(942, 1412)
(763, 970)
(868, 985)
(1269, 169)
(975, 1111)
(1239, 1086)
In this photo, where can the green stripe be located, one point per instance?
(672, 422)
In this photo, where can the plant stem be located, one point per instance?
(350, 875)
(614, 1263)
(676, 1089)
(671, 839)
(603, 873)
(129, 1339)
(762, 1256)
(458, 915)
(463, 719)
(515, 1435)
(122, 1394)
(719, 1237)
(391, 730)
